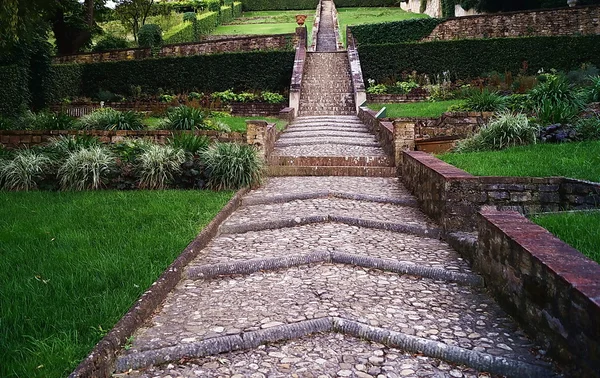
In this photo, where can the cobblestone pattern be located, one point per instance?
(326, 37)
(320, 356)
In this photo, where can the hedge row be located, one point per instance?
(262, 5)
(474, 57)
(395, 31)
(265, 70)
(237, 9)
(226, 15)
(14, 93)
(205, 24)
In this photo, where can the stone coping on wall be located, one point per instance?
(232, 44)
(358, 84)
(549, 286)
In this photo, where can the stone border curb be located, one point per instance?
(249, 340)
(100, 362)
(270, 264)
(407, 202)
(433, 233)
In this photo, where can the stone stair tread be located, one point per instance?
(360, 171)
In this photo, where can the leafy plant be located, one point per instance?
(86, 168)
(24, 170)
(232, 166)
(189, 142)
(582, 76)
(111, 119)
(594, 89)
(157, 165)
(556, 111)
(48, 121)
(272, 98)
(504, 130)
(246, 97)
(588, 128)
(225, 96)
(485, 101)
(183, 118)
(63, 145)
(110, 42)
(129, 149)
(195, 96)
(150, 35)
(167, 98)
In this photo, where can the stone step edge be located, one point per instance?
(368, 142)
(251, 266)
(282, 198)
(350, 171)
(413, 344)
(426, 232)
(329, 161)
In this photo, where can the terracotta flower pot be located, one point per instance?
(300, 18)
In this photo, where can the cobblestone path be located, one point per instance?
(326, 37)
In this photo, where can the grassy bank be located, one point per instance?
(425, 109)
(74, 263)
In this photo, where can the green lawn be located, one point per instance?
(73, 264)
(239, 123)
(267, 22)
(578, 229)
(359, 16)
(576, 160)
(416, 109)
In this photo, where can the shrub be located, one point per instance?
(190, 32)
(63, 145)
(110, 119)
(246, 97)
(582, 75)
(157, 165)
(189, 142)
(183, 118)
(86, 168)
(272, 98)
(64, 81)
(556, 111)
(150, 35)
(24, 170)
(189, 17)
(381, 62)
(110, 42)
(129, 149)
(594, 89)
(46, 121)
(554, 100)
(485, 101)
(226, 15)
(395, 31)
(588, 128)
(232, 166)
(14, 92)
(224, 96)
(237, 9)
(504, 130)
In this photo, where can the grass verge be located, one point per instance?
(239, 123)
(425, 109)
(74, 263)
(579, 160)
(267, 22)
(578, 229)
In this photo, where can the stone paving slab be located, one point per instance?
(449, 313)
(328, 149)
(331, 237)
(318, 356)
(330, 206)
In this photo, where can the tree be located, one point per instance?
(133, 13)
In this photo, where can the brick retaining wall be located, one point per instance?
(550, 287)
(233, 44)
(453, 197)
(547, 22)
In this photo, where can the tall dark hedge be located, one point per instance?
(14, 89)
(265, 70)
(395, 31)
(63, 81)
(472, 58)
(261, 5)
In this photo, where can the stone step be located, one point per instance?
(316, 141)
(278, 170)
(326, 112)
(331, 161)
(302, 132)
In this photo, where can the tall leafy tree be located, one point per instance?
(133, 14)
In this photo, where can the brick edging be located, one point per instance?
(101, 361)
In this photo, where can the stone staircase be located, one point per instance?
(329, 146)
(326, 37)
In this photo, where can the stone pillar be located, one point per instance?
(404, 139)
(256, 135)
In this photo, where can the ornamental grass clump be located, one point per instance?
(504, 130)
(183, 118)
(111, 119)
(86, 168)
(232, 166)
(190, 143)
(24, 170)
(554, 100)
(485, 101)
(158, 165)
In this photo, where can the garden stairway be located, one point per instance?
(325, 277)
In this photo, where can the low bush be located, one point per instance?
(226, 15)
(183, 118)
(588, 128)
(63, 145)
(395, 31)
(110, 119)
(24, 170)
(150, 35)
(190, 143)
(110, 42)
(232, 166)
(504, 130)
(45, 121)
(86, 168)
(594, 89)
(272, 98)
(237, 9)
(554, 100)
(158, 165)
(204, 24)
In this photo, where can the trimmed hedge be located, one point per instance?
(14, 89)
(205, 24)
(394, 31)
(265, 70)
(262, 5)
(237, 9)
(63, 81)
(364, 3)
(474, 57)
(226, 15)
